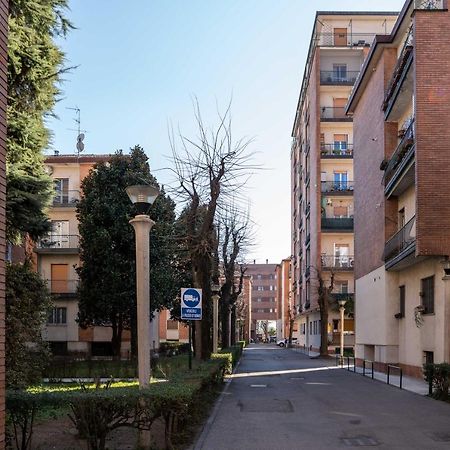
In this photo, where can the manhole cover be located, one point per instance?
(439, 436)
(360, 441)
(266, 406)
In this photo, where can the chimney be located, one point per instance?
(254, 261)
(56, 152)
(267, 261)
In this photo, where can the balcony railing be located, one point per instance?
(307, 272)
(344, 39)
(337, 187)
(429, 4)
(334, 113)
(62, 287)
(331, 77)
(337, 262)
(307, 209)
(58, 241)
(337, 224)
(402, 240)
(338, 296)
(336, 150)
(406, 142)
(66, 199)
(399, 72)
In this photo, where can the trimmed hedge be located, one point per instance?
(173, 348)
(439, 377)
(97, 410)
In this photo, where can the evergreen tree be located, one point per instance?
(35, 64)
(107, 272)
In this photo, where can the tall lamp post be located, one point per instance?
(341, 310)
(215, 288)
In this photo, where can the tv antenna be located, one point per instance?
(80, 132)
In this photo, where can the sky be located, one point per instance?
(140, 63)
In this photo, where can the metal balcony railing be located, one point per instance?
(401, 240)
(66, 198)
(406, 142)
(331, 113)
(336, 150)
(58, 241)
(344, 39)
(337, 187)
(338, 296)
(62, 286)
(429, 4)
(337, 223)
(337, 262)
(333, 77)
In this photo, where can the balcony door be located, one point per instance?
(340, 37)
(59, 275)
(340, 72)
(341, 255)
(61, 191)
(339, 107)
(340, 180)
(340, 143)
(60, 233)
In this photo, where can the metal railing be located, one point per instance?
(66, 198)
(338, 296)
(406, 142)
(333, 77)
(55, 241)
(62, 286)
(365, 362)
(337, 186)
(337, 262)
(401, 240)
(389, 367)
(334, 113)
(429, 4)
(336, 150)
(344, 39)
(337, 223)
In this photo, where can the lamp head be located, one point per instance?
(342, 303)
(142, 196)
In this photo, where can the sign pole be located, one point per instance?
(190, 345)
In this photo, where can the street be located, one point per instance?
(281, 399)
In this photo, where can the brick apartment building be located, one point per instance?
(322, 168)
(286, 308)
(401, 116)
(263, 295)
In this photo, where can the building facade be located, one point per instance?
(263, 297)
(286, 310)
(402, 130)
(322, 169)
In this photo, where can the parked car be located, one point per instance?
(283, 342)
(272, 339)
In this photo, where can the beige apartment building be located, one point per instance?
(322, 176)
(286, 308)
(401, 115)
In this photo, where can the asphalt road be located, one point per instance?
(280, 399)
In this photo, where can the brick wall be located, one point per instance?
(3, 77)
(432, 102)
(373, 141)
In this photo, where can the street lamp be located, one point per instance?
(341, 310)
(143, 196)
(215, 288)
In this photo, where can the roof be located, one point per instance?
(74, 158)
(357, 13)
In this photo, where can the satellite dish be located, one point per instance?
(80, 145)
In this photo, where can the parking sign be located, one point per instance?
(191, 304)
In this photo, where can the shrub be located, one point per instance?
(242, 344)
(173, 348)
(439, 376)
(226, 361)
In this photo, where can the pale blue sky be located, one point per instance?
(141, 61)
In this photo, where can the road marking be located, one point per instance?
(258, 385)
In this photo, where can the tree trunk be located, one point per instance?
(233, 324)
(324, 327)
(224, 321)
(116, 340)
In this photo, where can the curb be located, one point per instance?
(209, 423)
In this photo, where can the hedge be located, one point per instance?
(96, 411)
(173, 348)
(439, 377)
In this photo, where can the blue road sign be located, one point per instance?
(191, 304)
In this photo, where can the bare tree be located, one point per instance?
(210, 169)
(291, 318)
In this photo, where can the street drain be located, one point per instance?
(266, 406)
(439, 436)
(360, 441)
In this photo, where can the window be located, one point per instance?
(402, 301)
(310, 328)
(401, 218)
(172, 325)
(340, 72)
(340, 144)
(61, 191)
(427, 294)
(260, 288)
(57, 316)
(259, 276)
(340, 180)
(258, 300)
(342, 287)
(428, 357)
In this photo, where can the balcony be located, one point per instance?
(58, 243)
(337, 262)
(401, 246)
(429, 4)
(332, 77)
(337, 224)
(337, 187)
(344, 39)
(336, 150)
(400, 170)
(66, 199)
(400, 77)
(334, 114)
(62, 288)
(339, 296)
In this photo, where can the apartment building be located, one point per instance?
(322, 168)
(401, 116)
(263, 296)
(286, 308)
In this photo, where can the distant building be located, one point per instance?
(286, 307)
(401, 116)
(322, 169)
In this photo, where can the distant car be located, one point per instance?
(272, 339)
(283, 342)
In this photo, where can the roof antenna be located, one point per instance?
(80, 135)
